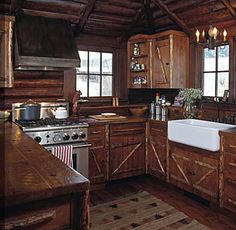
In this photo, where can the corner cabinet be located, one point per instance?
(6, 45)
(158, 61)
(170, 60)
(138, 49)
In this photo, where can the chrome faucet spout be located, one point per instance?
(75, 100)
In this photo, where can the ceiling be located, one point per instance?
(122, 18)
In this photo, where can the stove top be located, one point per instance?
(50, 123)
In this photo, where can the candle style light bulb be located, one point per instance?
(203, 34)
(215, 32)
(197, 35)
(224, 34)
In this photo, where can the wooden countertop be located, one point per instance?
(230, 132)
(32, 173)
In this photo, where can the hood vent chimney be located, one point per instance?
(44, 44)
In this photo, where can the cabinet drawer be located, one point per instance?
(127, 129)
(96, 136)
(230, 166)
(158, 130)
(230, 144)
(52, 217)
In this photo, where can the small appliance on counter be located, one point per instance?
(58, 110)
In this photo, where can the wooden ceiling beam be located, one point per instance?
(172, 16)
(16, 6)
(88, 10)
(149, 16)
(231, 10)
(125, 35)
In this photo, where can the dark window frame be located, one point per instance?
(216, 71)
(88, 74)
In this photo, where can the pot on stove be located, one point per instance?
(29, 110)
(60, 113)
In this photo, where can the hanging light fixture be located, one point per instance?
(212, 37)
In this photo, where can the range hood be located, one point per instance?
(44, 44)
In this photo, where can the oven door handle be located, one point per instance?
(82, 145)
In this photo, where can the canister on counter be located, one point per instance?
(152, 108)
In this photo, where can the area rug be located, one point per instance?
(141, 211)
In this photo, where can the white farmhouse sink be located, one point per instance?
(197, 133)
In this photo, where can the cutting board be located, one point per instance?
(106, 118)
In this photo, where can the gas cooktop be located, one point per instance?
(50, 123)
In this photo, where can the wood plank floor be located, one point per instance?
(210, 217)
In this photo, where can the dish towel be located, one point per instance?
(64, 153)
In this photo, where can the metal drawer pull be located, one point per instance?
(29, 221)
(232, 164)
(232, 181)
(232, 146)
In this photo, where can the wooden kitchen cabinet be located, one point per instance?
(165, 59)
(194, 170)
(98, 153)
(157, 149)
(127, 150)
(228, 168)
(170, 60)
(6, 46)
(138, 49)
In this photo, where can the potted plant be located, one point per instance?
(190, 95)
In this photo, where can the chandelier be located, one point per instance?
(212, 37)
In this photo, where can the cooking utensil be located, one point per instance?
(60, 113)
(29, 111)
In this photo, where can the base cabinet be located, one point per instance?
(228, 181)
(194, 170)
(98, 153)
(157, 149)
(127, 150)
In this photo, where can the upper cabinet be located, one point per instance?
(166, 63)
(139, 62)
(6, 44)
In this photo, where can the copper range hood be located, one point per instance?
(44, 44)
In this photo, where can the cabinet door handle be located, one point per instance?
(95, 132)
(232, 146)
(29, 220)
(231, 181)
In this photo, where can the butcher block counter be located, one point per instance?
(39, 191)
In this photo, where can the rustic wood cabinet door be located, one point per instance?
(161, 63)
(127, 150)
(195, 170)
(180, 170)
(157, 157)
(98, 153)
(205, 177)
(6, 46)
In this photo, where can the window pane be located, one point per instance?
(223, 57)
(107, 85)
(94, 62)
(107, 63)
(94, 85)
(223, 83)
(83, 62)
(209, 84)
(81, 84)
(209, 60)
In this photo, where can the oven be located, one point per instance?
(79, 155)
(54, 133)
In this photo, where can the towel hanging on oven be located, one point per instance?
(64, 153)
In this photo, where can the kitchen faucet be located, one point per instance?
(75, 100)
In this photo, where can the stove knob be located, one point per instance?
(74, 136)
(82, 135)
(38, 139)
(57, 138)
(66, 137)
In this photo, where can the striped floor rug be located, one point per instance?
(140, 211)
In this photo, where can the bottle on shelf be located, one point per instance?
(157, 98)
(132, 64)
(136, 50)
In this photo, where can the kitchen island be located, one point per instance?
(39, 191)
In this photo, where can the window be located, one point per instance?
(216, 71)
(94, 78)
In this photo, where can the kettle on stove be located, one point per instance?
(60, 113)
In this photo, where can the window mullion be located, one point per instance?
(88, 74)
(100, 74)
(216, 81)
